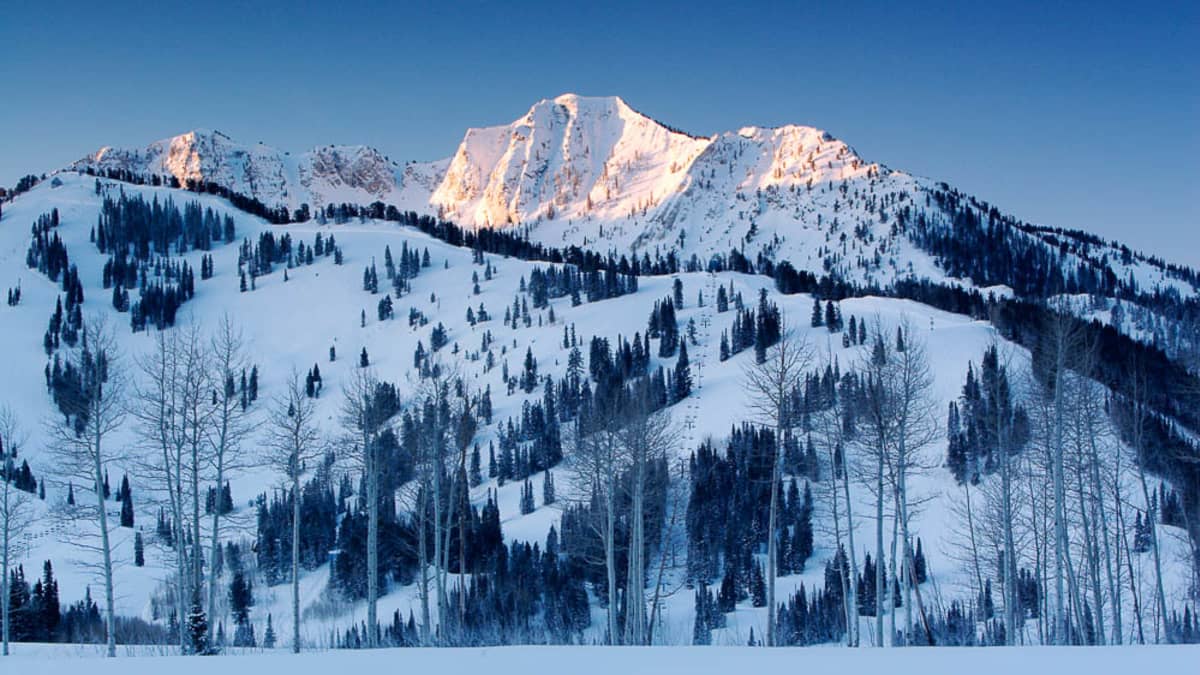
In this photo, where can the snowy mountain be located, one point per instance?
(327, 175)
(731, 233)
(593, 172)
(572, 157)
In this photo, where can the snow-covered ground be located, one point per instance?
(70, 660)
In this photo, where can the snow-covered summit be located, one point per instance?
(570, 157)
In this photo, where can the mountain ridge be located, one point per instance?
(595, 173)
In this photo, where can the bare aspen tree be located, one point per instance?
(645, 437)
(1056, 393)
(15, 515)
(674, 541)
(445, 429)
(769, 386)
(1088, 427)
(833, 435)
(1139, 412)
(446, 434)
(595, 464)
(81, 444)
(418, 494)
(194, 399)
(465, 427)
(873, 443)
(228, 428)
(156, 405)
(437, 438)
(293, 443)
(916, 429)
(173, 406)
(363, 422)
(1007, 444)
(1037, 478)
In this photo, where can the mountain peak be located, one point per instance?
(578, 106)
(573, 99)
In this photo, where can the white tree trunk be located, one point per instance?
(296, 561)
(110, 620)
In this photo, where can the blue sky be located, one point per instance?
(1077, 115)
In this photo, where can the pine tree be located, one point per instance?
(226, 503)
(527, 504)
(269, 635)
(683, 374)
(529, 375)
(241, 597)
(476, 474)
(833, 318)
(139, 550)
(758, 586)
(548, 489)
(920, 571)
(197, 631)
(701, 633)
(126, 498)
(802, 543)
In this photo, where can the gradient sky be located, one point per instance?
(1077, 115)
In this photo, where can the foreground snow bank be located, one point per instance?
(47, 660)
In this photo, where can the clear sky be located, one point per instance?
(1077, 115)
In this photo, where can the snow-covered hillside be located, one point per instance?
(566, 152)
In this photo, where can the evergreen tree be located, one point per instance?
(529, 376)
(833, 318)
(758, 586)
(476, 474)
(527, 503)
(801, 547)
(197, 631)
(126, 498)
(269, 635)
(241, 597)
(548, 489)
(683, 374)
(920, 571)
